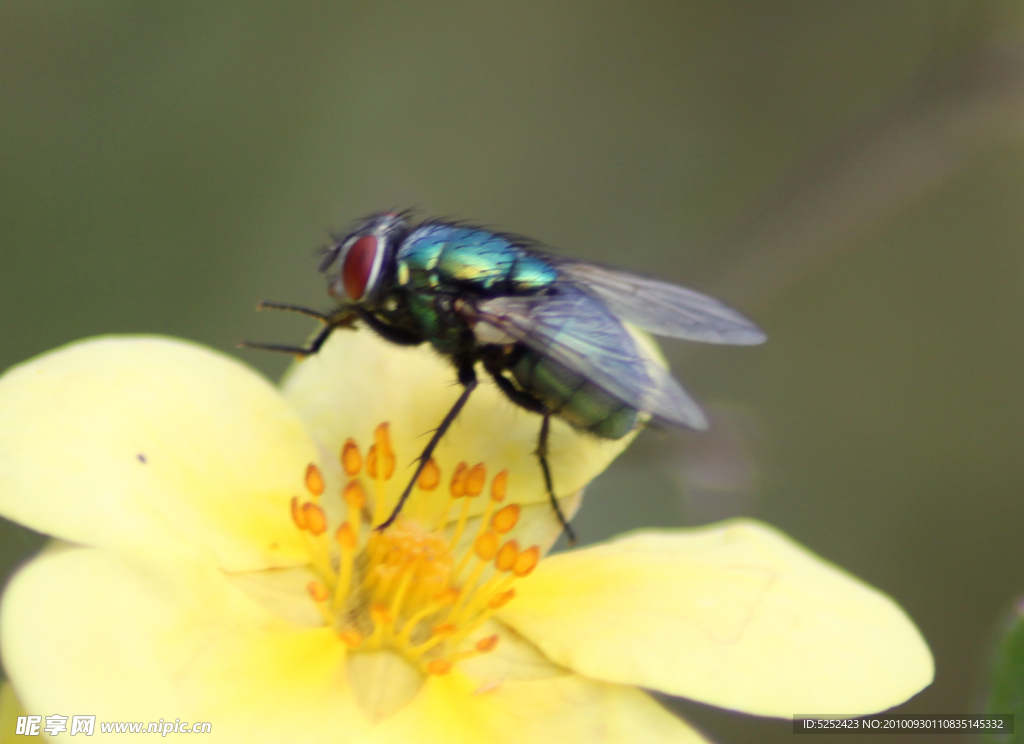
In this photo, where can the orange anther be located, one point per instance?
(351, 638)
(371, 461)
(499, 486)
(297, 515)
(351, 460)
(380, 614)
(314, 480)
(526, 561)
(317, 591)
(507, 556)
(382, 438)
(500, 600)
(314, 518)
(486, 545)
(354, 495)
(346, 537)
(388, 465)
(439, 667)
(459, 477)
(505, 519)
(385, 455)
(430, 477)
(444, 630)
(447, 597)
(484, 645)
(476, 479)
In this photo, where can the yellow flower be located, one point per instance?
(215, 562)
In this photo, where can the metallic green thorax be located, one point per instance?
(438, 265)
(448, 259)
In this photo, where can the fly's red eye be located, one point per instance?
(358, 266)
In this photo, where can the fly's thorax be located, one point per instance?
(449, 258)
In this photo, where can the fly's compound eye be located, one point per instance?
(360, 267)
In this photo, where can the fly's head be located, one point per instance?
(364, 260)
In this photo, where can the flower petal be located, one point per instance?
(735, 615)
(138, 442)
(10, 709)
(453, 710)
(357, 380)
(87, 630)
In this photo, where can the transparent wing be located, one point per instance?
(659, 307)
(579, 332)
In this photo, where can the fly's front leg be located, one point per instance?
(467, 377)
(340, 319)
(300, 351)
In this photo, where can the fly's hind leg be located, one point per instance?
(542, 456)
(524, 400)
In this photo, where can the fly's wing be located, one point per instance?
(659, 307)
(578, 332)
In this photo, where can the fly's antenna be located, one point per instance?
(330, 253)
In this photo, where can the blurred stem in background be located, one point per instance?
(918, 140)
(969, 100)
(1006, 691)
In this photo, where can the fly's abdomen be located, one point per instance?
(572, 397)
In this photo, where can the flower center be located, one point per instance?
(417, 588)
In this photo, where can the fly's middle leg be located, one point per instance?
(524, 400)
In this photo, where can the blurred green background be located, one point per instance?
(850, 174)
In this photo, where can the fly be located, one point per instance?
(549, 330)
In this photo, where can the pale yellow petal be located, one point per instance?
(358, 381)
(735, 615)
(135, 442)
(454, 710)
(10, 709)
(86, 630)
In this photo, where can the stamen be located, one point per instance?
(486, 546)
(500, 600)
(314, 519)
(526, 561)
(401, 589)
(355, 499)
(371, 461)
(505, 519)
(351, 638)
(381, 619)
(484, 645)
(459, 477)
(319, 594)
(347, 541)
(317, 591)
(458, 491)
(297, 515)
(507, 556)
(439, 667)
(499, 486)
(475, 479)
(351, 460)
(314, 480)
(385, 455)
(430, 478)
